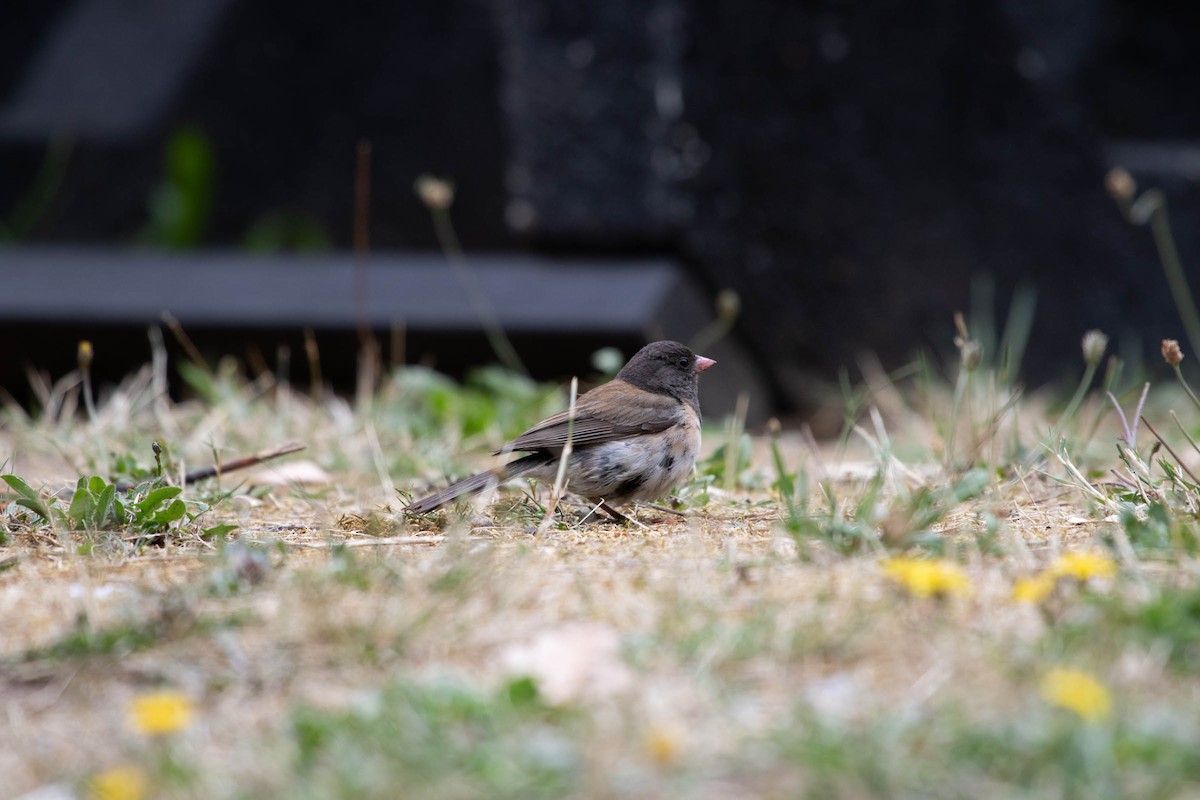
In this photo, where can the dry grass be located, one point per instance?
(711, 656)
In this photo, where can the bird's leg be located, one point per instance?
(617, 516)
(594, 505)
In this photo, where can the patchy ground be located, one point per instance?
(870, 625)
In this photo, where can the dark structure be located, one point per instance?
(227, 301)
(847, 169)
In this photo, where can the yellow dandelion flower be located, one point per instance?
(1077, 691)
(662, 745)
(159, 713)
(120, 783)
(1083, 566)
(1035, 589)
(924, 578)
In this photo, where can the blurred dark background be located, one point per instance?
(855, 172)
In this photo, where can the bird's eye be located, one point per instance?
(684, 362)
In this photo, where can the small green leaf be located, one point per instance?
(219, 531)
(156, 498)
(105, 507)
(171, 513)
(20, 487)
(83, 505)
(37, 508)
(198, 379)
(27, 497)
(522, 692)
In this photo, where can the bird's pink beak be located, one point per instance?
(703, 363)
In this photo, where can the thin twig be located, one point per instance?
(667, 510)
(185, 341)
(368, 347)
(326, 545)
(620, 518)
(591, 510)
(1174, 455)
(56, 692)
(230, 466)
(313, 354)
(560, 479)
(1186, 435)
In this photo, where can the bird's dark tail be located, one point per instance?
(477, 483)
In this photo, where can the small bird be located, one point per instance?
(633, 438)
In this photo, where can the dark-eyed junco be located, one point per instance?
(634, 438)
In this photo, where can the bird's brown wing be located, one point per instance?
(607, 413)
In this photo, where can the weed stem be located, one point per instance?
(1164, 240)
(560, 479)
(443, 228)
(1089, 374)
(1174, 455)
(1152, 207)
(1186, 388)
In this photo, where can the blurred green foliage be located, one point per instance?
(180, 208)
(281, 231)
(439, 740)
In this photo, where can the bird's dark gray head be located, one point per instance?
(667, 368)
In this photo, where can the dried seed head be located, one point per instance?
(1094, 345)
(729, 304)
(84, 355)
(435, 193)
(1171, 352)
(1120, 184)
(970, 352)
